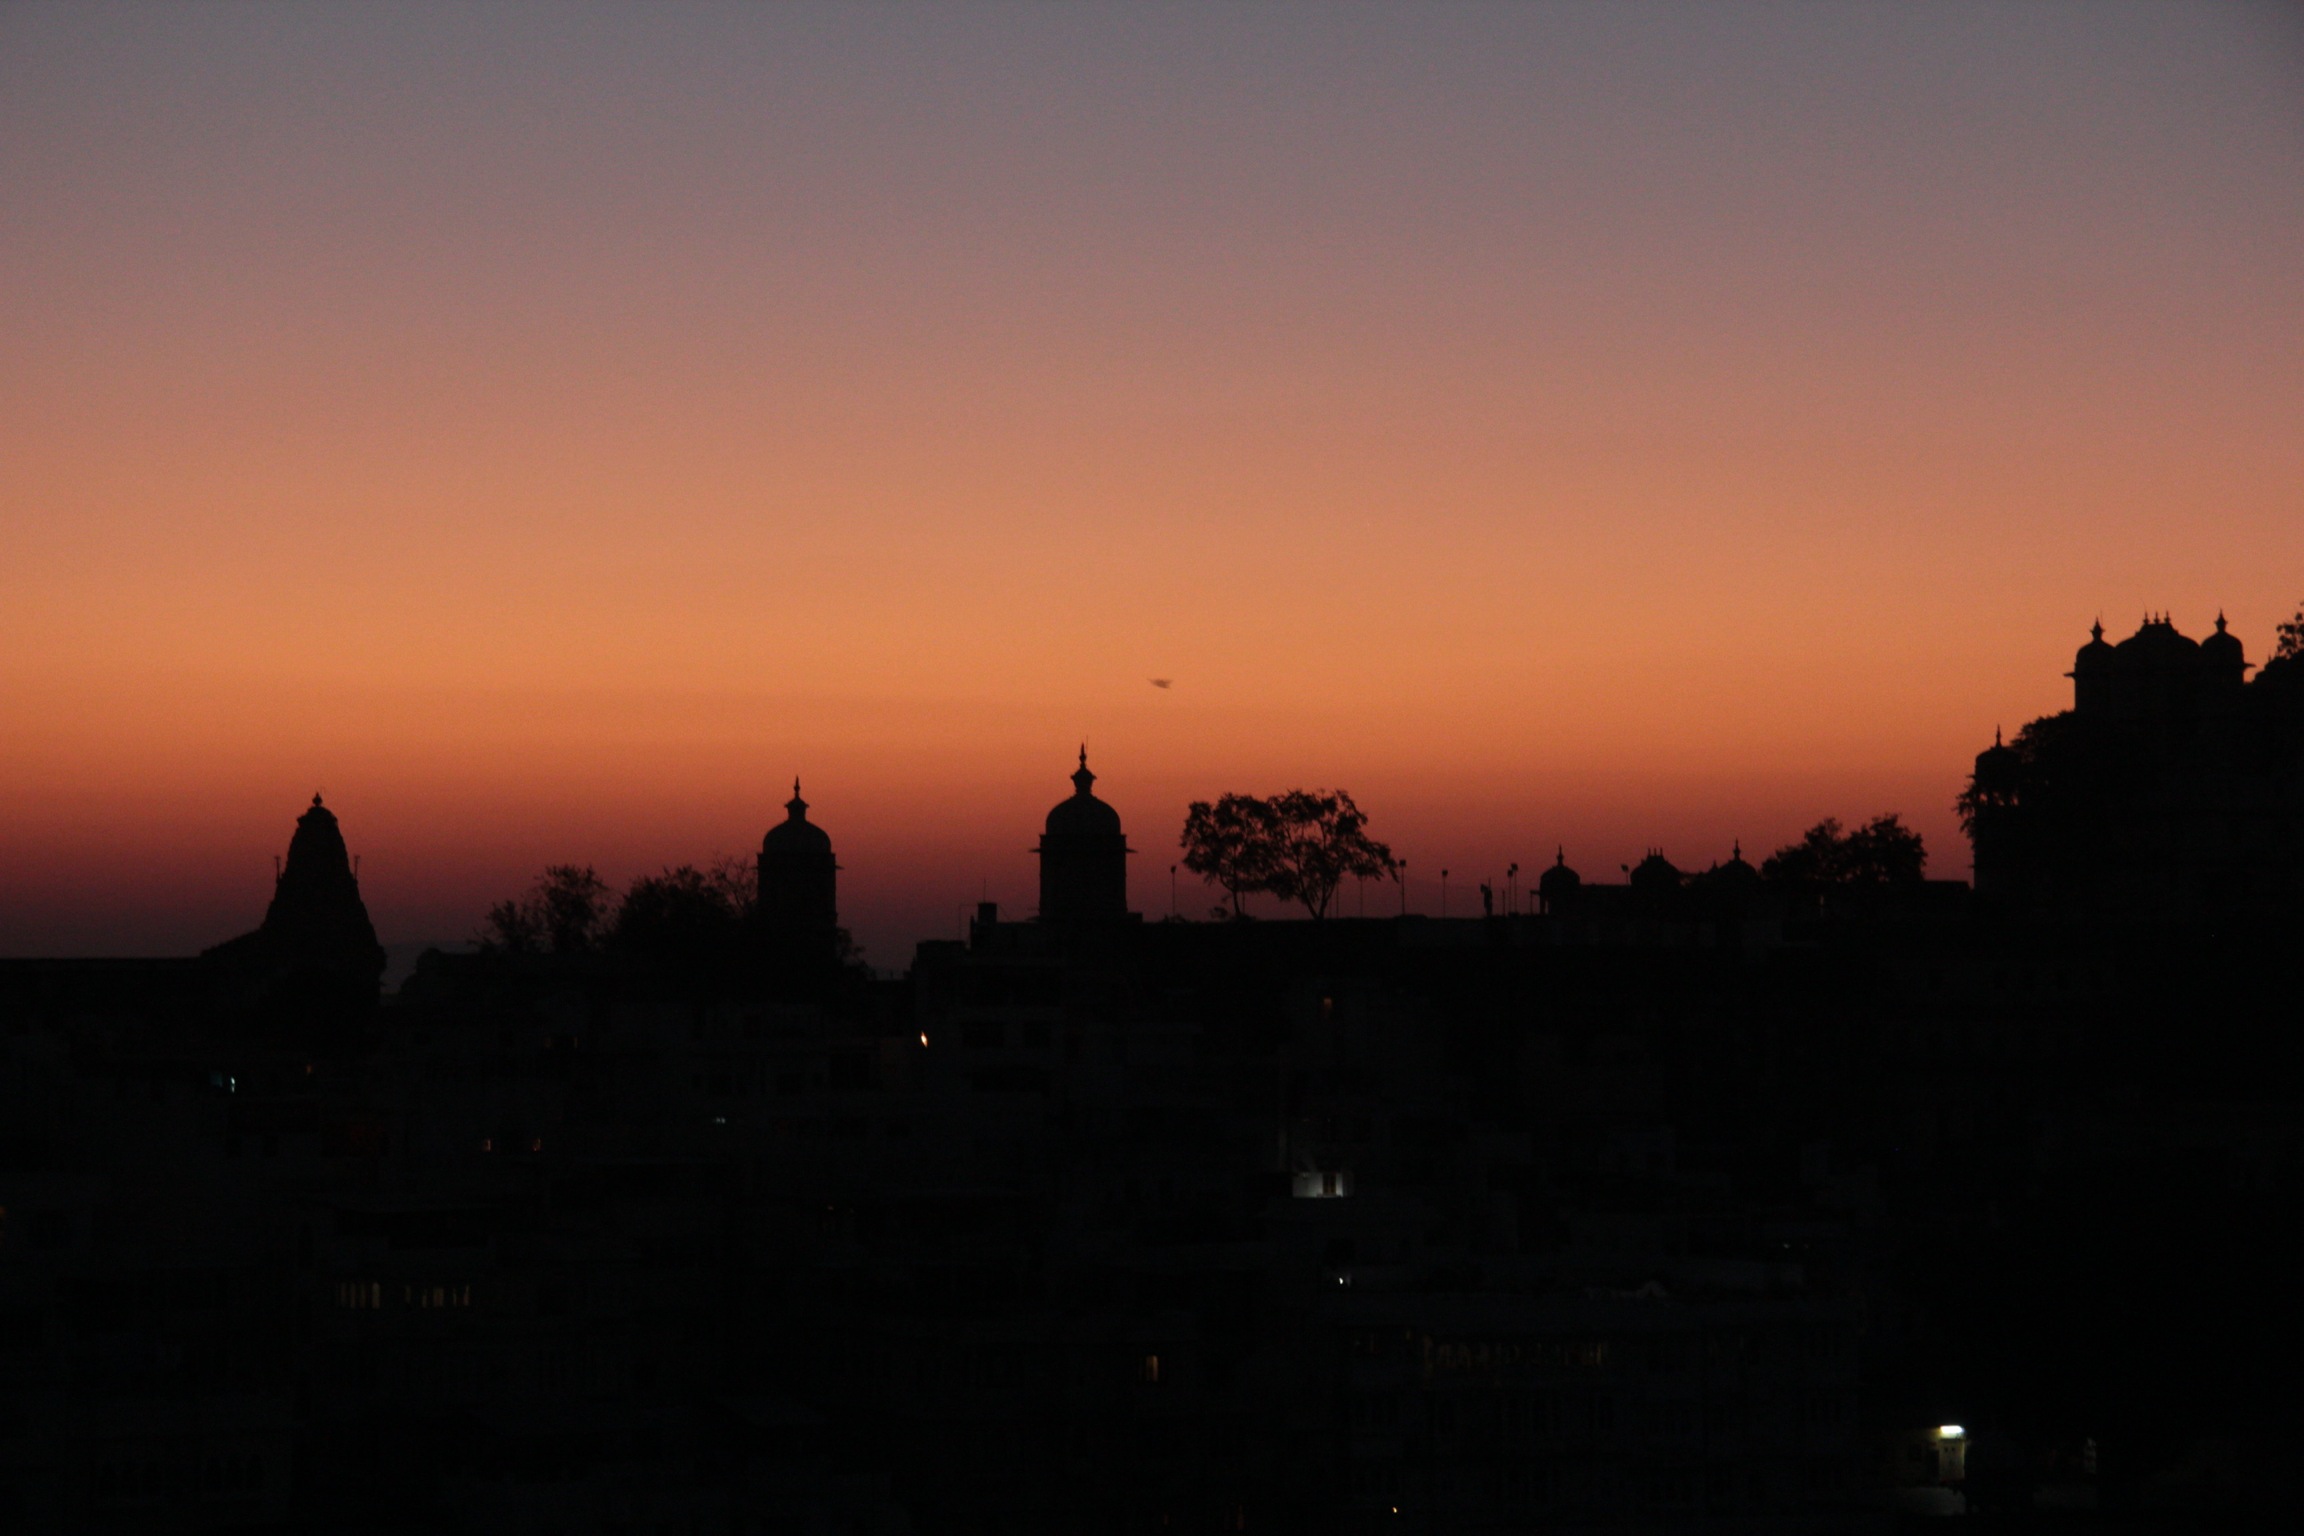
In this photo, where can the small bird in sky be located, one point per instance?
(1163, 682)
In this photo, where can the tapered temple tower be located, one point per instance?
(316, 916)
(315, 961)
(1083, 863)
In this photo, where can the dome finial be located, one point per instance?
(796, 807)
(1081, 777)
(2096, 631)
(315, 797)
(1995, 735)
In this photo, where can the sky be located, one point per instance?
(548, 429)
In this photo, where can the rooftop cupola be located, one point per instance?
(1083, 861)
(1556, 888)
(2091, 672)
(799, 885)
(2222, 659)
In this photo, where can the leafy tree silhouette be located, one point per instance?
(566, 912)
(1300, 846)
(1883, 851)
(1231, 843)
(2290, 637)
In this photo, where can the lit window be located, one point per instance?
(1152, 1369)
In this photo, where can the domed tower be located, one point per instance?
(1994, 791)
(799, 908)
(2223, 663)
(1083, 862)
(1557, 887)
(2091, 674)
(1656, 874)
(317, 918)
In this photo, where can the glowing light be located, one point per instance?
(1950, 1432)
(923, 1037)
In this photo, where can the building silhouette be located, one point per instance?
(314, 962)
(1706, 1199)
(2174, 786)
(1083, 863)
(799, 909)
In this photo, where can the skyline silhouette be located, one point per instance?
(1334, 770)
(1671, 428)
(1412, 894)
(1785, 1194)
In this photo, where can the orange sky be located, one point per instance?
(548, 430)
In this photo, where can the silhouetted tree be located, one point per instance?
(684, 915)
(2290, 640)
(1320, 841)
(565, 912)
(1300, 846)
(1230, 842)
(1883, 851)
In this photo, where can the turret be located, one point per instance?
(2223, 662)
(799, 880)
(1083, 862)
(1557, 887)
(2091, 674)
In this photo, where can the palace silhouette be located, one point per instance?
(1744, 1197)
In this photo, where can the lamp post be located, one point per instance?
(1511, 890)
(1171, 892)
(1400, 875)
(1443, 893)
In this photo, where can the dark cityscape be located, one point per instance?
(989, 768)
(1804, 1196)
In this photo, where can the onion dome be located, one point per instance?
(1083, 863)
(1083, 815)
(1998, 768)
(2222, 656)
(2095, 655)
(1559, 883)
(1736, 874)
(1656, 873)
(796, 833)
